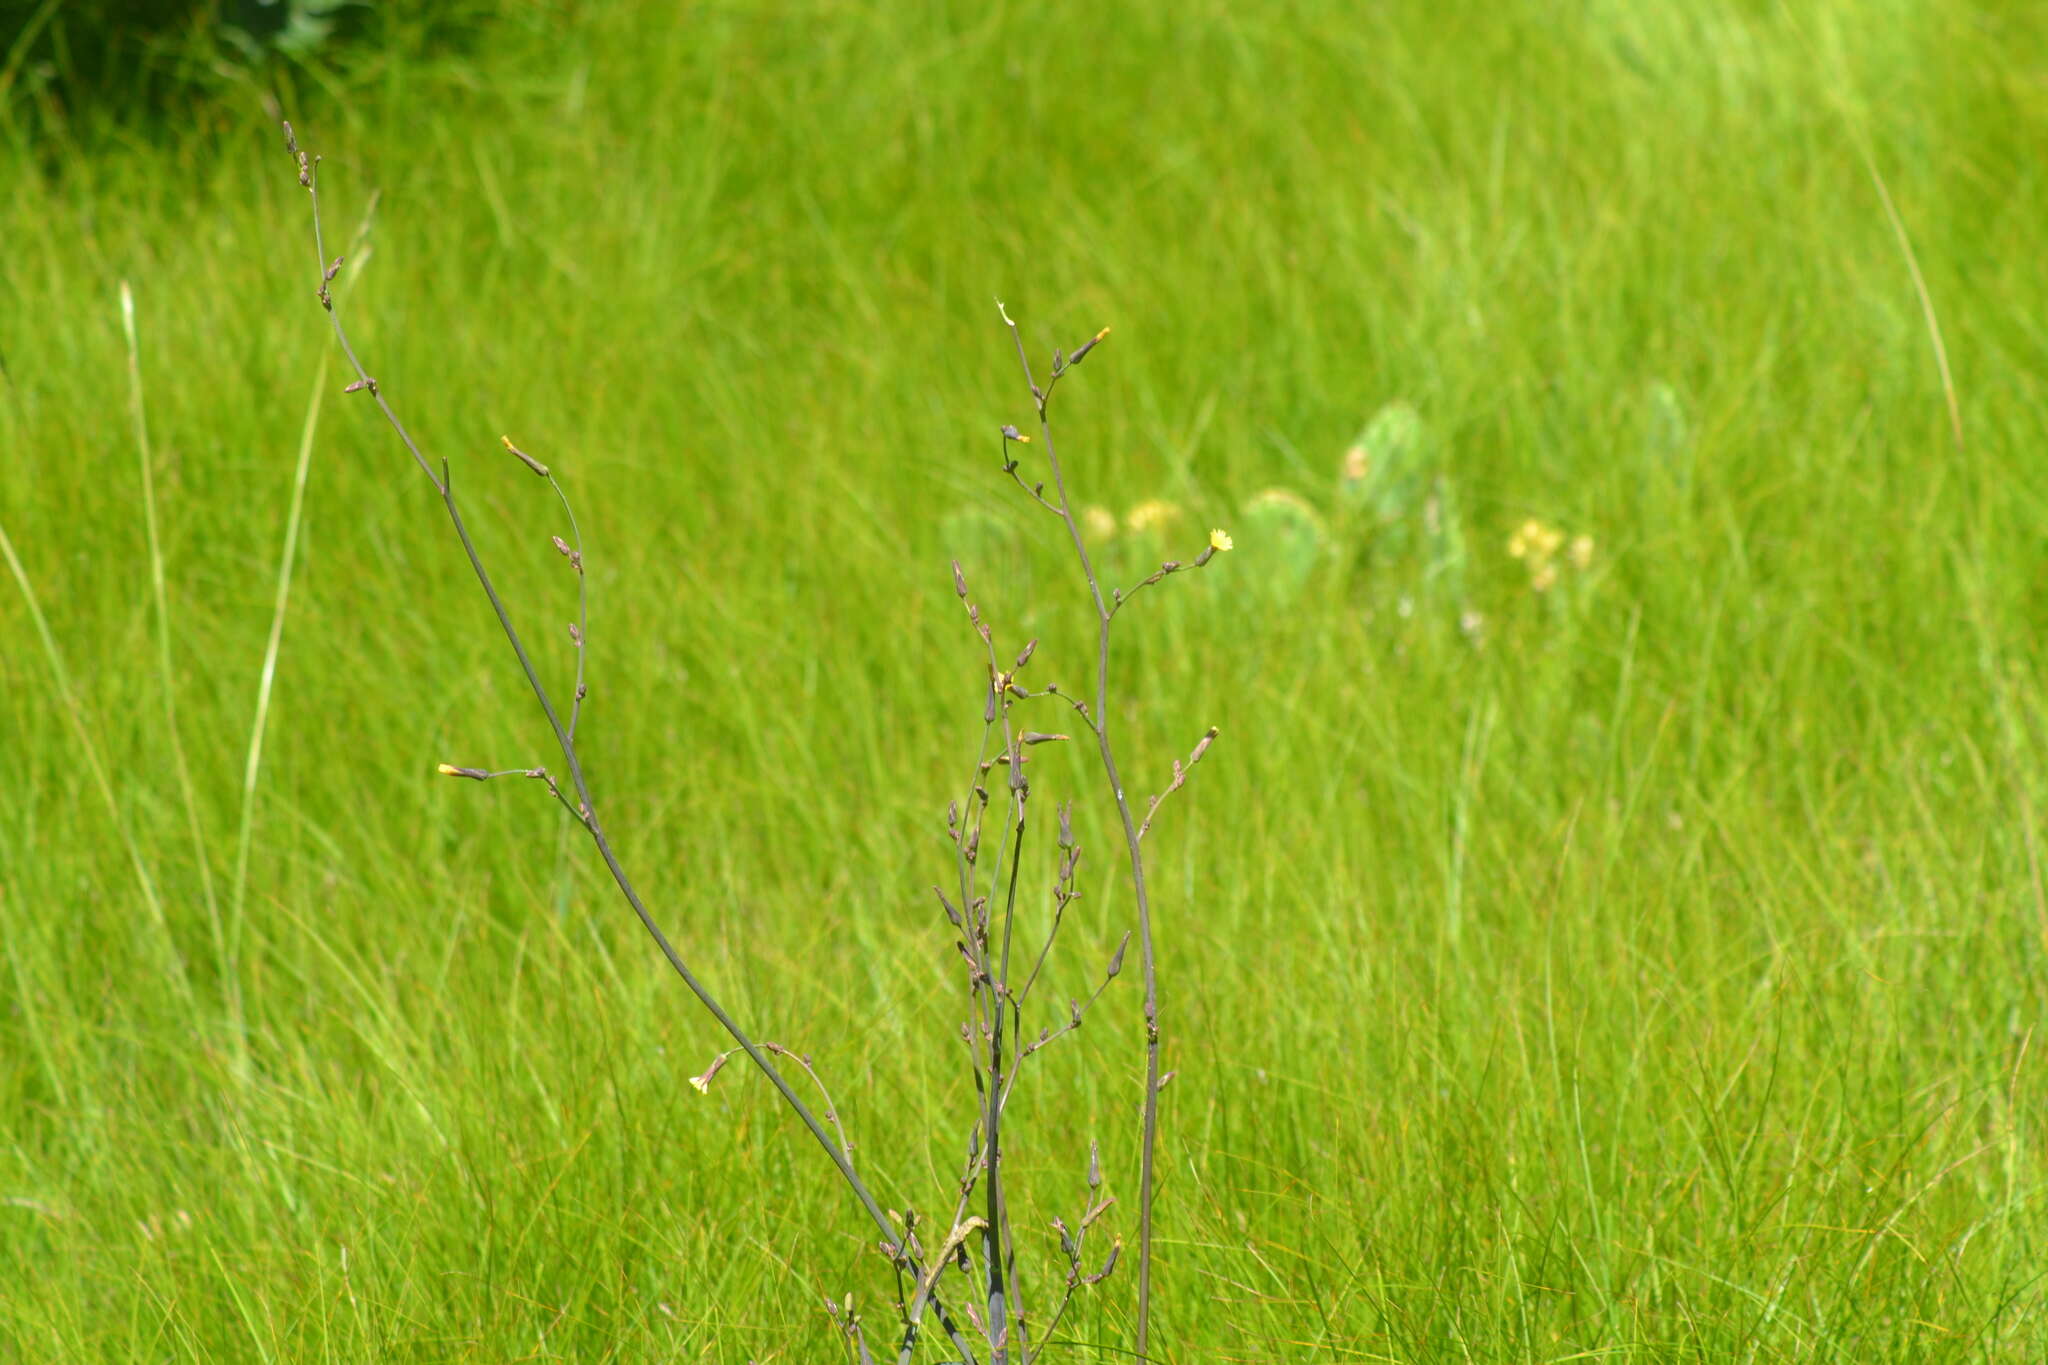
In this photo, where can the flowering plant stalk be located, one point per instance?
(1098, 721)
(978, 1238)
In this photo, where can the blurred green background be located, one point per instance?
(1611, 925)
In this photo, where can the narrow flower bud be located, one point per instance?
(535, 465)
(1085, 347)
(1107, 1266)
(1116, 963)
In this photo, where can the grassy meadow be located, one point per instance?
(1631, 954)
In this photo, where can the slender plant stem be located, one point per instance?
(564, 877)
(999, 1309)
(893, 1240)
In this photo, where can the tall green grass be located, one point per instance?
(1657, 981)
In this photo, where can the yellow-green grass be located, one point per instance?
(1658, 981)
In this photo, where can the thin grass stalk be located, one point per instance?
(266, 677)
(74, 711)
(167, 679)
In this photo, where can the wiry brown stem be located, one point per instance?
(894, 1243)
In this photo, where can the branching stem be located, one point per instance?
(894, 1242)
(1099, 724)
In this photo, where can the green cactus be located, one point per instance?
(1385, 474)
(1667, 436)
(1443, 543)
(1283, 540)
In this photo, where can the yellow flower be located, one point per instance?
(1539, 543)
(1582, 552)
(1220, 540)
(702, 1084)
(1154, 514)
(1098, 522)
(449, 770)
(1545, 578)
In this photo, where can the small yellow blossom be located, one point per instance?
(1220, 540)
(1532, 540)
(1582, 553)
(1356, 463)
(1544, 578)
(449, 770)
(1539, 543)
(1098, 522)
(702, 1084)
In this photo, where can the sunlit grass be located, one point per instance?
(1645, 966)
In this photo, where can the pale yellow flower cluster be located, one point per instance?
(1154, 514)
(1537, 545)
